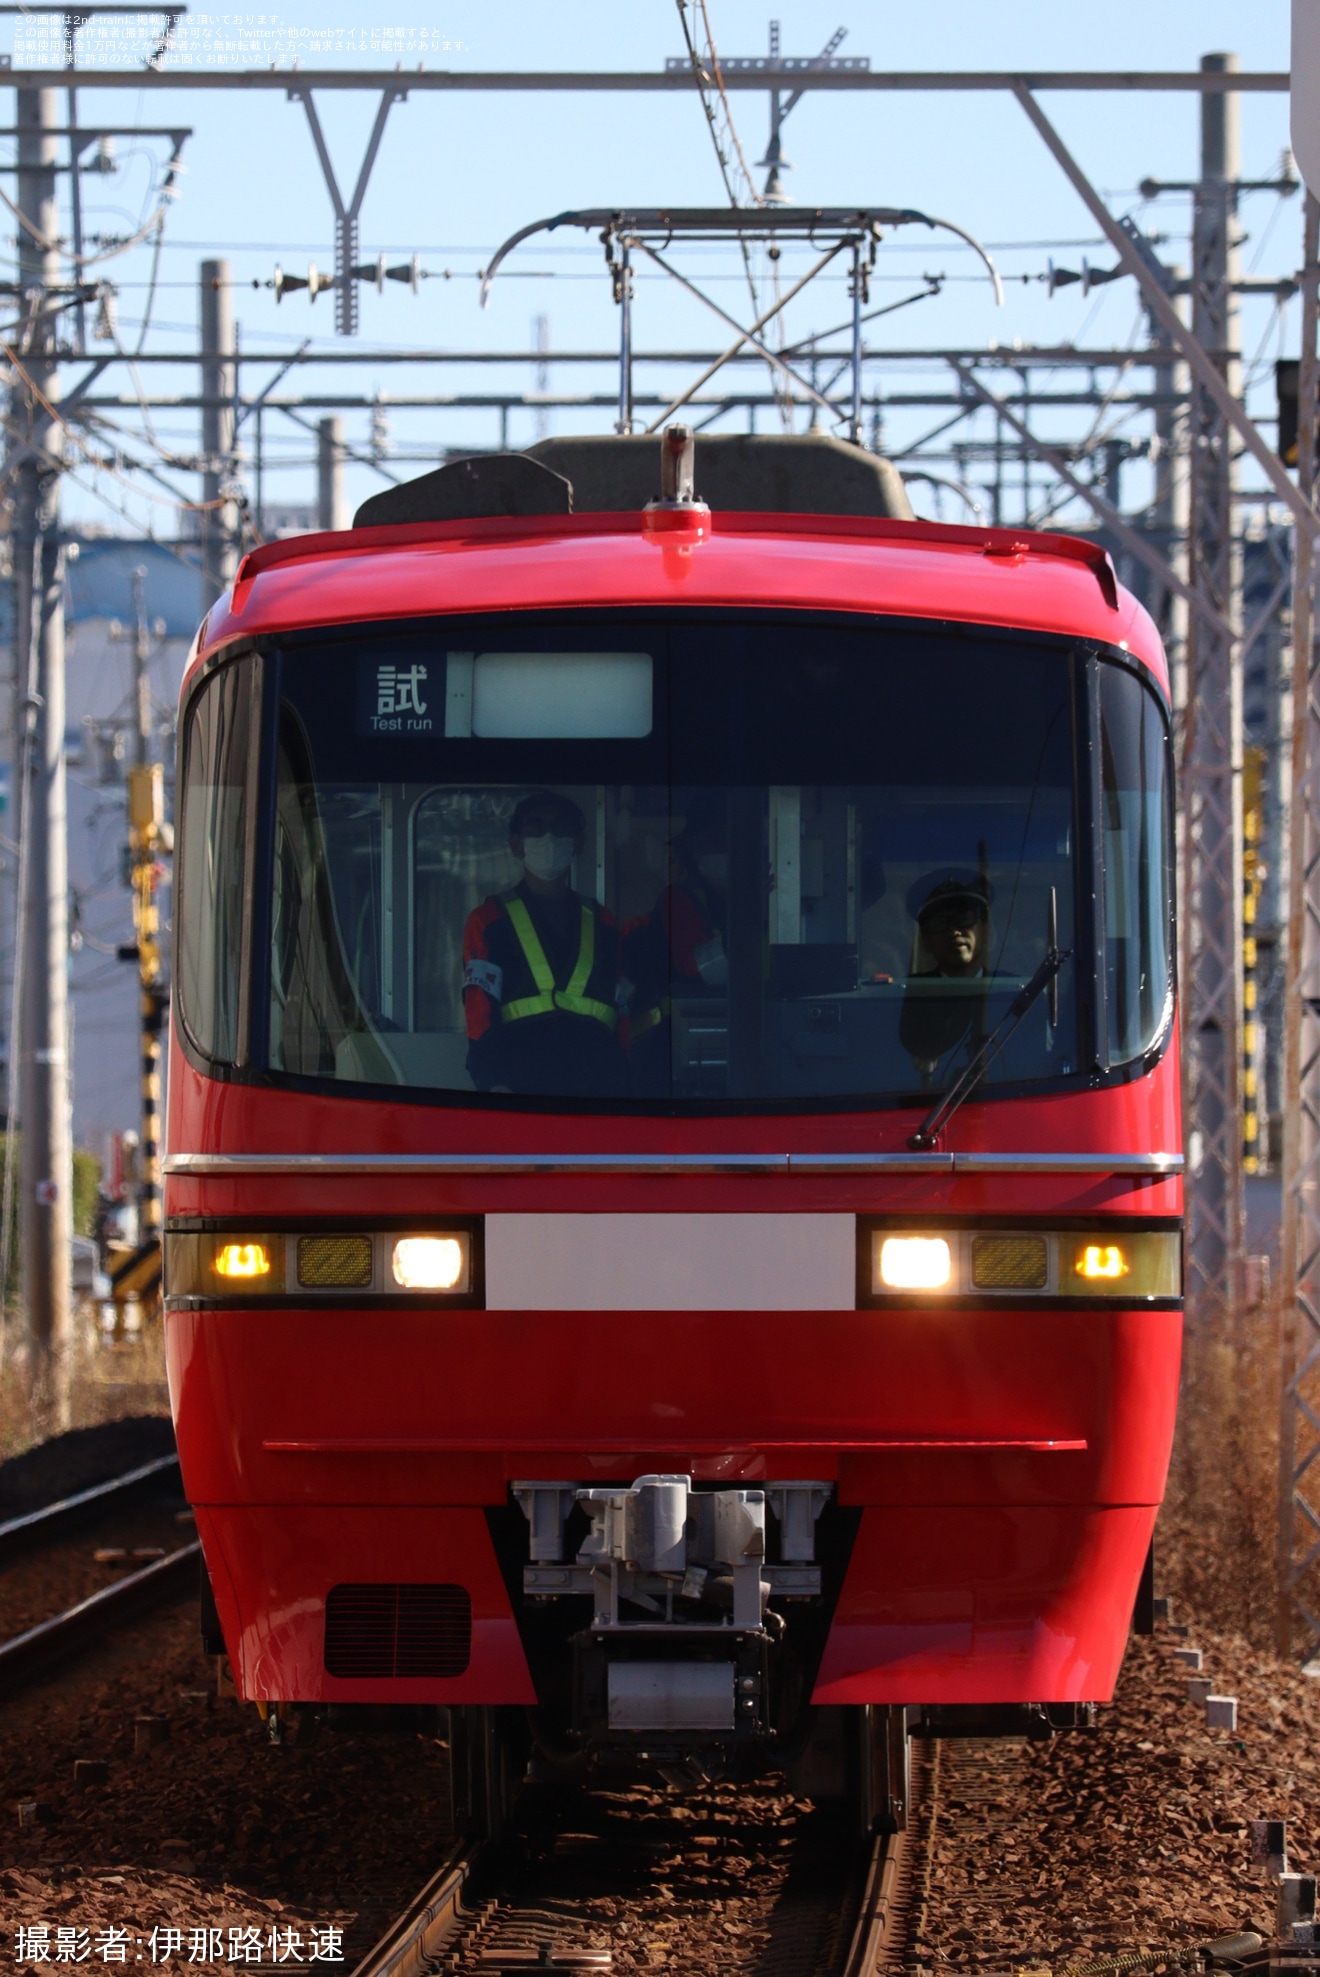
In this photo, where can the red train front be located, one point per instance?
(673, 1183)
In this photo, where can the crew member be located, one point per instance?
(676, 949)
(952, 912)
(541, 967)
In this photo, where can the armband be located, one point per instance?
(486, 976)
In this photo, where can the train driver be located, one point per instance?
(541, 969)
(952, 912)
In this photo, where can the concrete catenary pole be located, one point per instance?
(146, 804)
(46, 1163)
(1169, 508)
(219, 517)
(1212, 750)
(331, 511)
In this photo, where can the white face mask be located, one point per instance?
(547, 857)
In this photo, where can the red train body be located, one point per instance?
(680, 1283)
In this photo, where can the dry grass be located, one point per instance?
(103, 1382)
(1217, 1532)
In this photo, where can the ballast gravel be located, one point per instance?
(1132, 1838)
(209, 1829)
(1050, 1854)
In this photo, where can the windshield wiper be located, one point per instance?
(926, 1137)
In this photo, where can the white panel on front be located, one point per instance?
(671, 1262)
(671, 1695)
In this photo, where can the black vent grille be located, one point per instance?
(387, 1631)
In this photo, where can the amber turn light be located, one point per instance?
(1101, 1260)
(243, 1259)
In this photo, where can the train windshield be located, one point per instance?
(722, 862)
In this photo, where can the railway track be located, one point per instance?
(616, 1890)
(36, 1648)
(583, 1908)
(29, 1655)
(57, 1520)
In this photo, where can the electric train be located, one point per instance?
(673, 1177)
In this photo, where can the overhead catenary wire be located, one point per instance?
(175, 497)
(105, 253)
(159, 246)
(706, 71)
(734, 171)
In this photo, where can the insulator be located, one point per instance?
(1097, 277)
(286, 284)
(409, 271)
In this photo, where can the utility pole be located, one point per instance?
(1212, 749)
(146, 818)
(331, 512)
(219, 516)
(136, 1279)
(541, 375)
(1169, 509)
(46, 1162)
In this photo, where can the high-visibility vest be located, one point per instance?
(548, 997)
(662, 1008)
(649, 1019)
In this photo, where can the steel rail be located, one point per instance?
(414, 1943)
(872, 1944)
(411, 1943)
(54, 1519)
(31, 1654)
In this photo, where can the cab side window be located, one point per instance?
(217, 752)
(1136, 857)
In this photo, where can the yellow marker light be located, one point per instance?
(915, 1263)
(243, 1259)
(429, 1263)
(1104, 1261)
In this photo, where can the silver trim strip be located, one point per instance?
(1165, 1165)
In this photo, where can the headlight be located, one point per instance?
(430, 1263)
(242, 1265)
(915, 1263)
(1130, 1267)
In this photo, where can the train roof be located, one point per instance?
(748, 473)
(543, 556)
(1000, 577)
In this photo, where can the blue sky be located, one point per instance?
(456, 174)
